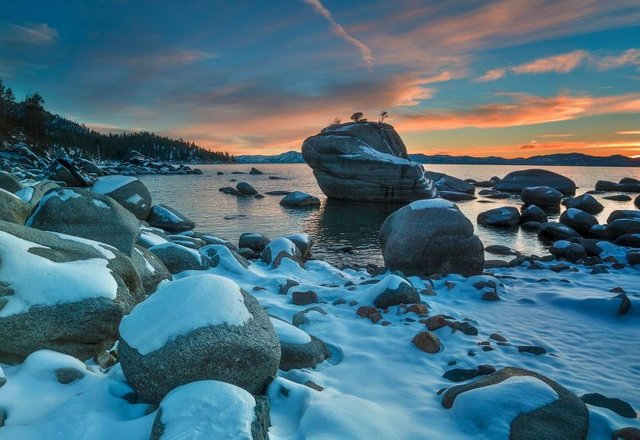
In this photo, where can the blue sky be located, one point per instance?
(508, 78)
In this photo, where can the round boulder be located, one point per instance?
(197, 328)
(516, 181)
(254, 241)
(533, 213)
(429, 237)
(177, 258)
(81, 213)
(543, 196)
(504, 217)
(299, 198)
(299, 349)
(585, 202)
(246, 189)
(169, 219)
(278, 249)
(553, 231)
(578, 220)
(128, 191)
(568, 251)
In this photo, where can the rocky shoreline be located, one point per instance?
(119, 312)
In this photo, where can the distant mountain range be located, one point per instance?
(567, 159)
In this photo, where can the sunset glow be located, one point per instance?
(503, 78)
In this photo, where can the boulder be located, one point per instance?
(516, 181)
(201, 327)
(636, 202)
(246, 189)
(622, 226)
(177, 258)
(254, 241)
(81, 213)
(128, 191)
(543, 196)
(454, 196)
(150, 269)
(278, 249)
(255, 171)
(299, 349)
(61, 293)
(210, 409)
(169, 219)
(221, 256)
(618, 198)
(429, 237)
(66, 171)
(585, 202)
(444, 182)
(578, 220)
(629, 240)
(365, 161)
(8, 182)
(541, 408)
(504, 217)
(299, 198)
(12, 208)
(623, 213)
(623, 186)
(553, 231)
(303, 242)
(568, 251)
(394, 291)
(533, 213)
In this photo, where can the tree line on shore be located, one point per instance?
(30, 122)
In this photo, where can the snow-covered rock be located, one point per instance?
(128, 191)
(199, 327)
(150, 268)
(177, 258)
(299, 349)
(278, 249)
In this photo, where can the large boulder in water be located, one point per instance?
(81, 213)
(429, 237)
(365, 162)
(61, 293)
(516, 181)
(198, 328)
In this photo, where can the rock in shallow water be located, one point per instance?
(169, 219)
(516, 181)
(365, 162)
(299, 198)
(504, 217)
(429, 237)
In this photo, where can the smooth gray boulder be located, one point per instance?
(169, 219)
(8, 182)
(254, 241)
(201, 327)
(81, 213)
(504, 217)
(128, 191)
(542, 196)
(365, 161)
(623, 213)
(246, 189)
(622, 226)
(77, 293)
(578, 220)
(585, 202)
(177, 258)
(564, 418)
(431, 237)
(12, 208)
(553, 231)
(298, 199)
(151, 270)
(516, 181)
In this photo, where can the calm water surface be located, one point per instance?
(338, 224)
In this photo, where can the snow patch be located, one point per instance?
(288, 333)
(432, 203)
(109, 184)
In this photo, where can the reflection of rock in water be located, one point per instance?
(348, 225)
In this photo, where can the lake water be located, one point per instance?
(337, 224)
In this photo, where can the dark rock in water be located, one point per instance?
(556, 231)
(568, 251)
(255, 171)
(498, 249)
(128, 191)
(298, 199)
(448, 183)
(81, 213)
(9, 183)
(484, 184)
(616, 405)
(246, 189)
(81, 326)
(626, 186)
(256, 242)
(455, 196)
(178, 258)
(516, 181)
(230, 190)
(531, 225)
(247, 414)
(622, 226)
(630, 240)
(623, 213)
(277, 193)
(365, 162)
(504, 217)
(246, 354)
(405, 293)
(12, 208)
(618, 198)
(578, 220)
(533, 213)
(429, 237)
(169, 219)
(533, 349)
(565, 418)
(462, 374)
(636, 202)
(543, 196)
(220, 173)
(586, 203)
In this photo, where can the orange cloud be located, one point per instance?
(492, 75)
(630, 57)
(559, 63)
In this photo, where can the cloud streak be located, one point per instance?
(37, 34)
(341, 32)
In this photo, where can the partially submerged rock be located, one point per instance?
(169, 219)
(516, 181)
(365, 162)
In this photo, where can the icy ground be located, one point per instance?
(377, 384)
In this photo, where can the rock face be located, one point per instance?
(150, 269)
(75, 297)
(85, 214)
(564, 417)
(128, 191)
(429, 237)
(9, 183)
(516, 181)
(201, 327)
(365, 162)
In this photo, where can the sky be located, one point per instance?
(511, 78)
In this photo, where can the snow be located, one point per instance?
(151, 239)
(289, 334)
(100, 204)
(26, 194)
(208, 410)
(487, 412)
(166, 215)
(135, 199)
(180, 307)
(38, 281)
(109, 184)
(104, 249)
(432, 203)
(179, 247)
(368, 153)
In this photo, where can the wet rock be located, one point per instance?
(586, 203)
(169, 219)
(504, 217)
(246, 189)
(533, 213)
(516, 181)
(578, 220)
(543, 196)
(298, 199)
